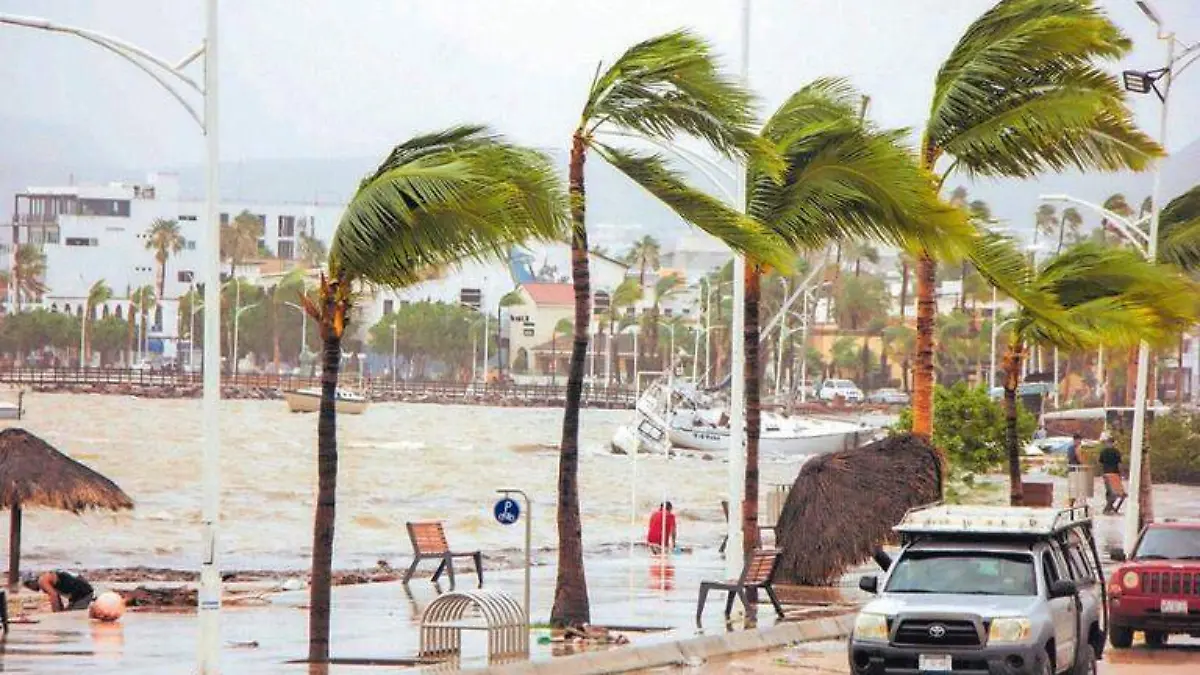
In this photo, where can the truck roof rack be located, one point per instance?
(997, 520)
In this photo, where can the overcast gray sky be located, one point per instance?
(350, 78)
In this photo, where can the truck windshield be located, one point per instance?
(1169, 543)
(960, 572)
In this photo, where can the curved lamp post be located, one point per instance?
(170, 76)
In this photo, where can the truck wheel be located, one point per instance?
(1156, 638)
(1120, 637)
(1085, 661)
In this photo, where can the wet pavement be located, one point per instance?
(1180, 657)
(371, 622)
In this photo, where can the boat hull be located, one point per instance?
(302, 402)
(717, 440)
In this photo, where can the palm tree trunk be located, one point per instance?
(1012, 379)
(327, 466)
(903, 289)
(923, 373)
(275, 334)
(1179, 373)
(129, 337)
(753, 410)
(571, 606)
(1131, 376)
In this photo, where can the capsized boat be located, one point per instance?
(308, 400)
(682, 417)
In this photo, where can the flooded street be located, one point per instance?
(398, 462)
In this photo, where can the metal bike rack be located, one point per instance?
(495, 612)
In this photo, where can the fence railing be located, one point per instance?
(614, 396)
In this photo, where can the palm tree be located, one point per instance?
(289, 289)
(164, 238)
(659, 89)
(1020, 94)
(627, 294)
(844, 180)
(645, 255)
(435, 200)
(1118, 205)
(28, 272)
(563, 327)
(313, 251)
(901, 340)
(1093, 295)
(1045, 221)
(665, 288)
(239, 240)
(1071, 222)
(98, 294)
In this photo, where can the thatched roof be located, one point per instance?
(843, 505)
(34, 474)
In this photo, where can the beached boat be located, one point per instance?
(309, 400)
(13, 411)
(684, 418)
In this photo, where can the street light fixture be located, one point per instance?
(164, 72)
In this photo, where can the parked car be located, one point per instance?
(1157, 590)
(831, 389)
(888, 395)
(985, 590)
(144, 364)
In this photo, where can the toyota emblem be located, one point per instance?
(937, 631)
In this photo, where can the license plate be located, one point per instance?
(934, 663)
(1174, 607)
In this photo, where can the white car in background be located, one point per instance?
(832, 389)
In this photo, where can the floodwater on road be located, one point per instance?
(397, 463)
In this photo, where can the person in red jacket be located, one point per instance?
(661, 535)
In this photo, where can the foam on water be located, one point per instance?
(397, 462)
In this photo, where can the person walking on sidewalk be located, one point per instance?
(1110, 466)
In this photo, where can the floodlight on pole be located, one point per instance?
(1149, 12)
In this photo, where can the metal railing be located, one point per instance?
(380, 388)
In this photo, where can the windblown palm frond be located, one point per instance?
(1020, 94)
(440, 198)
(670, 85)
(1179, 231)
(651, 172)
(847, 180)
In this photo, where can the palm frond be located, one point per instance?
(738, 231)
(1179, 231)
(847, 180)
(672, 85)
(1020, 94)
(440, 198)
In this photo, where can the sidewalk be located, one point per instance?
(370, 622)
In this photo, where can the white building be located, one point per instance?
(89, 233)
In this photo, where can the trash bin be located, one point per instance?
(1080, 482)
(1038, 494)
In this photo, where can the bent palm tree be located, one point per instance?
(659, 89)
(1020, 94)
(27, 277)
(165, 239)
(843, 180)
(1099, 296)
(435, 200)
(98, 294)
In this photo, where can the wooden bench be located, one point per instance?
(429, 543)
(759, 572)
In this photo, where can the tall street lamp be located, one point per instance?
(1143, 82)
(303, 330)
(164, 72)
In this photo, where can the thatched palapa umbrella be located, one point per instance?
(34, 474)
(843, 505)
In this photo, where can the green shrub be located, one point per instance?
(1174, 448)
(968, 425)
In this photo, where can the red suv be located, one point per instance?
(1157, 590)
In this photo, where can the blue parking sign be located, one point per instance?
(507, 511)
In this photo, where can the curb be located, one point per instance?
(675, 652)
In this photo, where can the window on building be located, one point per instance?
(189, 244)
(388, 307)
(115, 208)
(82, 241)
(185, 276)
(190, 219)
(224, 219)
(668, 311)
(600, 301)
(471, 297)
(287, 226)
(287, 249)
